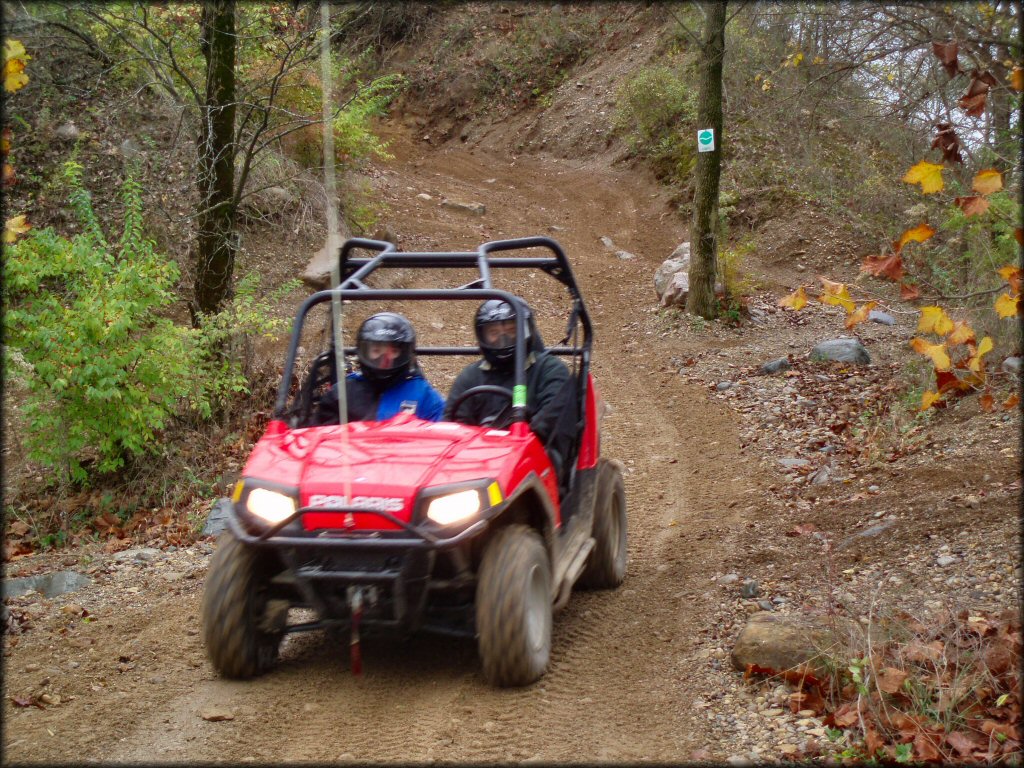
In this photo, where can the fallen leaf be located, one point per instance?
(802, 529)
(14, 226)
(987, 402)
(962, 742)
(926, 748)
(1011, 402)
(890, 679)
(929, 399)
(937, 352)
(19, 528)
(796, 300)
(928, 175)
(974, 205)
(987, 181)
(846, 715)
(22, 701)
(934, 320)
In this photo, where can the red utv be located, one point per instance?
(407, 525)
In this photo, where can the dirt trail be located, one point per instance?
(621, 684)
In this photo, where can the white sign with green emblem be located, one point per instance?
(706, 140)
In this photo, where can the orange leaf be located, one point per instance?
(987, 402)
(934, 320)
(1006, 305)
(937, 353)
(929, 399)
(1017, 79)
(846, 715)
(918, 234)
(984, 347)
(861, 315)
(796, 300)
(962, 333)
(909, 292)
(975, 205)
(884, 266)
(1011, 402)
(1019, 234)
(948, 383)
(835, 293)
(974, 105)
(925, 748)
(988, 181)
(928, 175)
(890, 679)
(963, 743)
(1012, 275)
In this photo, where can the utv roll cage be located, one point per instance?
(354, 271)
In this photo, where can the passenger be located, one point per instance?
(550, 397)
(389, 380)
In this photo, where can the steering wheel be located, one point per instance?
(498, 419)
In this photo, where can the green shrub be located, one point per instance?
(103, 369)
(654, 113)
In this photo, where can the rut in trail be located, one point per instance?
(621, 680)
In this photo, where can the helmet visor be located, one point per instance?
(383, 355)
(500, 334)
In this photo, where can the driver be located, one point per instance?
(547, 378)
(389, 380)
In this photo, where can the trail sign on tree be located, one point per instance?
(706, 140)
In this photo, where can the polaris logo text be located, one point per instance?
(373, 503)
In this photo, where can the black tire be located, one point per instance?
(513, 607)
(234, 608)
(606, 566)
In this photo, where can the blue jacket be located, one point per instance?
(411, 395)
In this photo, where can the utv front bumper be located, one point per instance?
(412, 578)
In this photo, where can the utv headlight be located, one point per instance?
(459, 506)
(270, 506)
(454, 507)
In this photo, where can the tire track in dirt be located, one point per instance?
(619, 685)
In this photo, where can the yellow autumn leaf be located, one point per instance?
(937, 353)
(14, 65)
(962, 333)
(977, 363)
(797, 300)
(918, 234)
(14, 226)
(988, 181)
(934, 320)
(928, 175)
(1007, 305)
(820, 60)
(928, 399)
(861, 315)
(835, 293)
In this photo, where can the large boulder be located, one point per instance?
(679, 261)
(841, 350)
(783, 642)
(677, 290)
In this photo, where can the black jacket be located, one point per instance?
(550, 401)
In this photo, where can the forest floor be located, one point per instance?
(639, 673)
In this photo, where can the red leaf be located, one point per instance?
(845, 716)
(884, 266)
(994, 726)
(890, 679)
(974, 205)
(973, 105)
(963, 742)
(926, 749)
(947, 140)
(947, 54)
(872, 740)
(909, 292)
(754, 669)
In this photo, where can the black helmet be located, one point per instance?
(497, 339)
(384, 345)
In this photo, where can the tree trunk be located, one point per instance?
(214, 255)
(704, 227)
